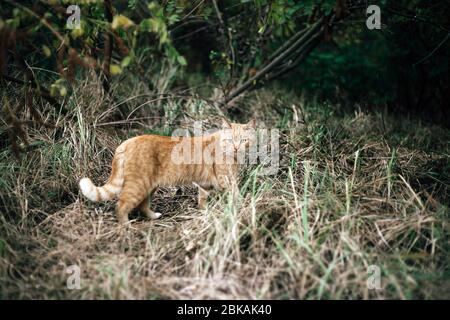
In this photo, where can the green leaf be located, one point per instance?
(126, 61)
(46, 51)
(181, 60)
(121, 21)
(145, 25)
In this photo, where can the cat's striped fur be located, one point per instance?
(143, 163)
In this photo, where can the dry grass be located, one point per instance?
(353, 190)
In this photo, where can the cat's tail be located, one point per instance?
(113, 186)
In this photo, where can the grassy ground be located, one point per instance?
(353, 190)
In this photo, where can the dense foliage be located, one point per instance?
(237, 43)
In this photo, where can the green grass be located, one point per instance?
(350, 192)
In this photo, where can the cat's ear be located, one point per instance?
(225, 124)
(252, 123)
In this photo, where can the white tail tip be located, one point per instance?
(88, 189)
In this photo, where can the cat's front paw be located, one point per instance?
(156, 215)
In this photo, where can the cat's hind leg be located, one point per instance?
(144, 207)
(132, 195)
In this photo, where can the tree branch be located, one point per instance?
(272, 64)
(108, 46)
(226, 32)
(301, 54)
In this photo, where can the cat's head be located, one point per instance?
(239, 135)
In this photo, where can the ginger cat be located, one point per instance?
(143, 163)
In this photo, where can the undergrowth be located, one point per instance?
(354, 189)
